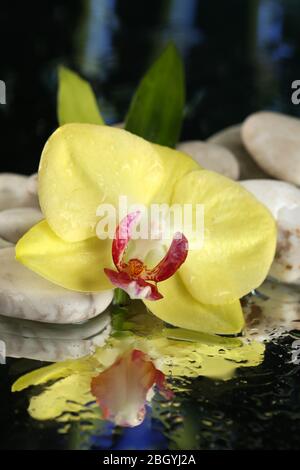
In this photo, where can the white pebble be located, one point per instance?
(283, 201)
(15, 222)
(273, 140)
(212, 157)
(24, 294)
(14, 192)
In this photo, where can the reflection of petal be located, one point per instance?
(50, 342)
(121, 390)
(66, 385)
(64, 388)
(63, 400)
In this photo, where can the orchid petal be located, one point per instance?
(179, 308)
(85, 165)
(174, 258)
(118, 279)
(121, 390)
(239, 239)
(176, 164)
(153, 294)
(122, 237)
(135, 288)
(76, 266)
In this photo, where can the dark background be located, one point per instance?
(240, 56)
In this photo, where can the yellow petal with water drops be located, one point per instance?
(239, 238)
(64, 400)
(179, 308)
(182, 359)
(85, 165)
(176, 164)
(76, 266)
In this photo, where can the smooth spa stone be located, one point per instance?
(15, 191)
(231, 139)
(24, 294)
(32, 184)
(273, 140)
(53, 343)
(15, 222)
(283, 201)
(212, 157)
(4, 243)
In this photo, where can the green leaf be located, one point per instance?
(156, 110)
(76, 101)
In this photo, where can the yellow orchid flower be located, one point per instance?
(85, 165)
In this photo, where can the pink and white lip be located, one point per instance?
(121, 391)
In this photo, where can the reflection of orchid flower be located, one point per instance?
(83, 165)
(67, 392)
(122, 389)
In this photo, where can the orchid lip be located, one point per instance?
(133, 276)
(122, 389)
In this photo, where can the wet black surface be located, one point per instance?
(258, 409)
